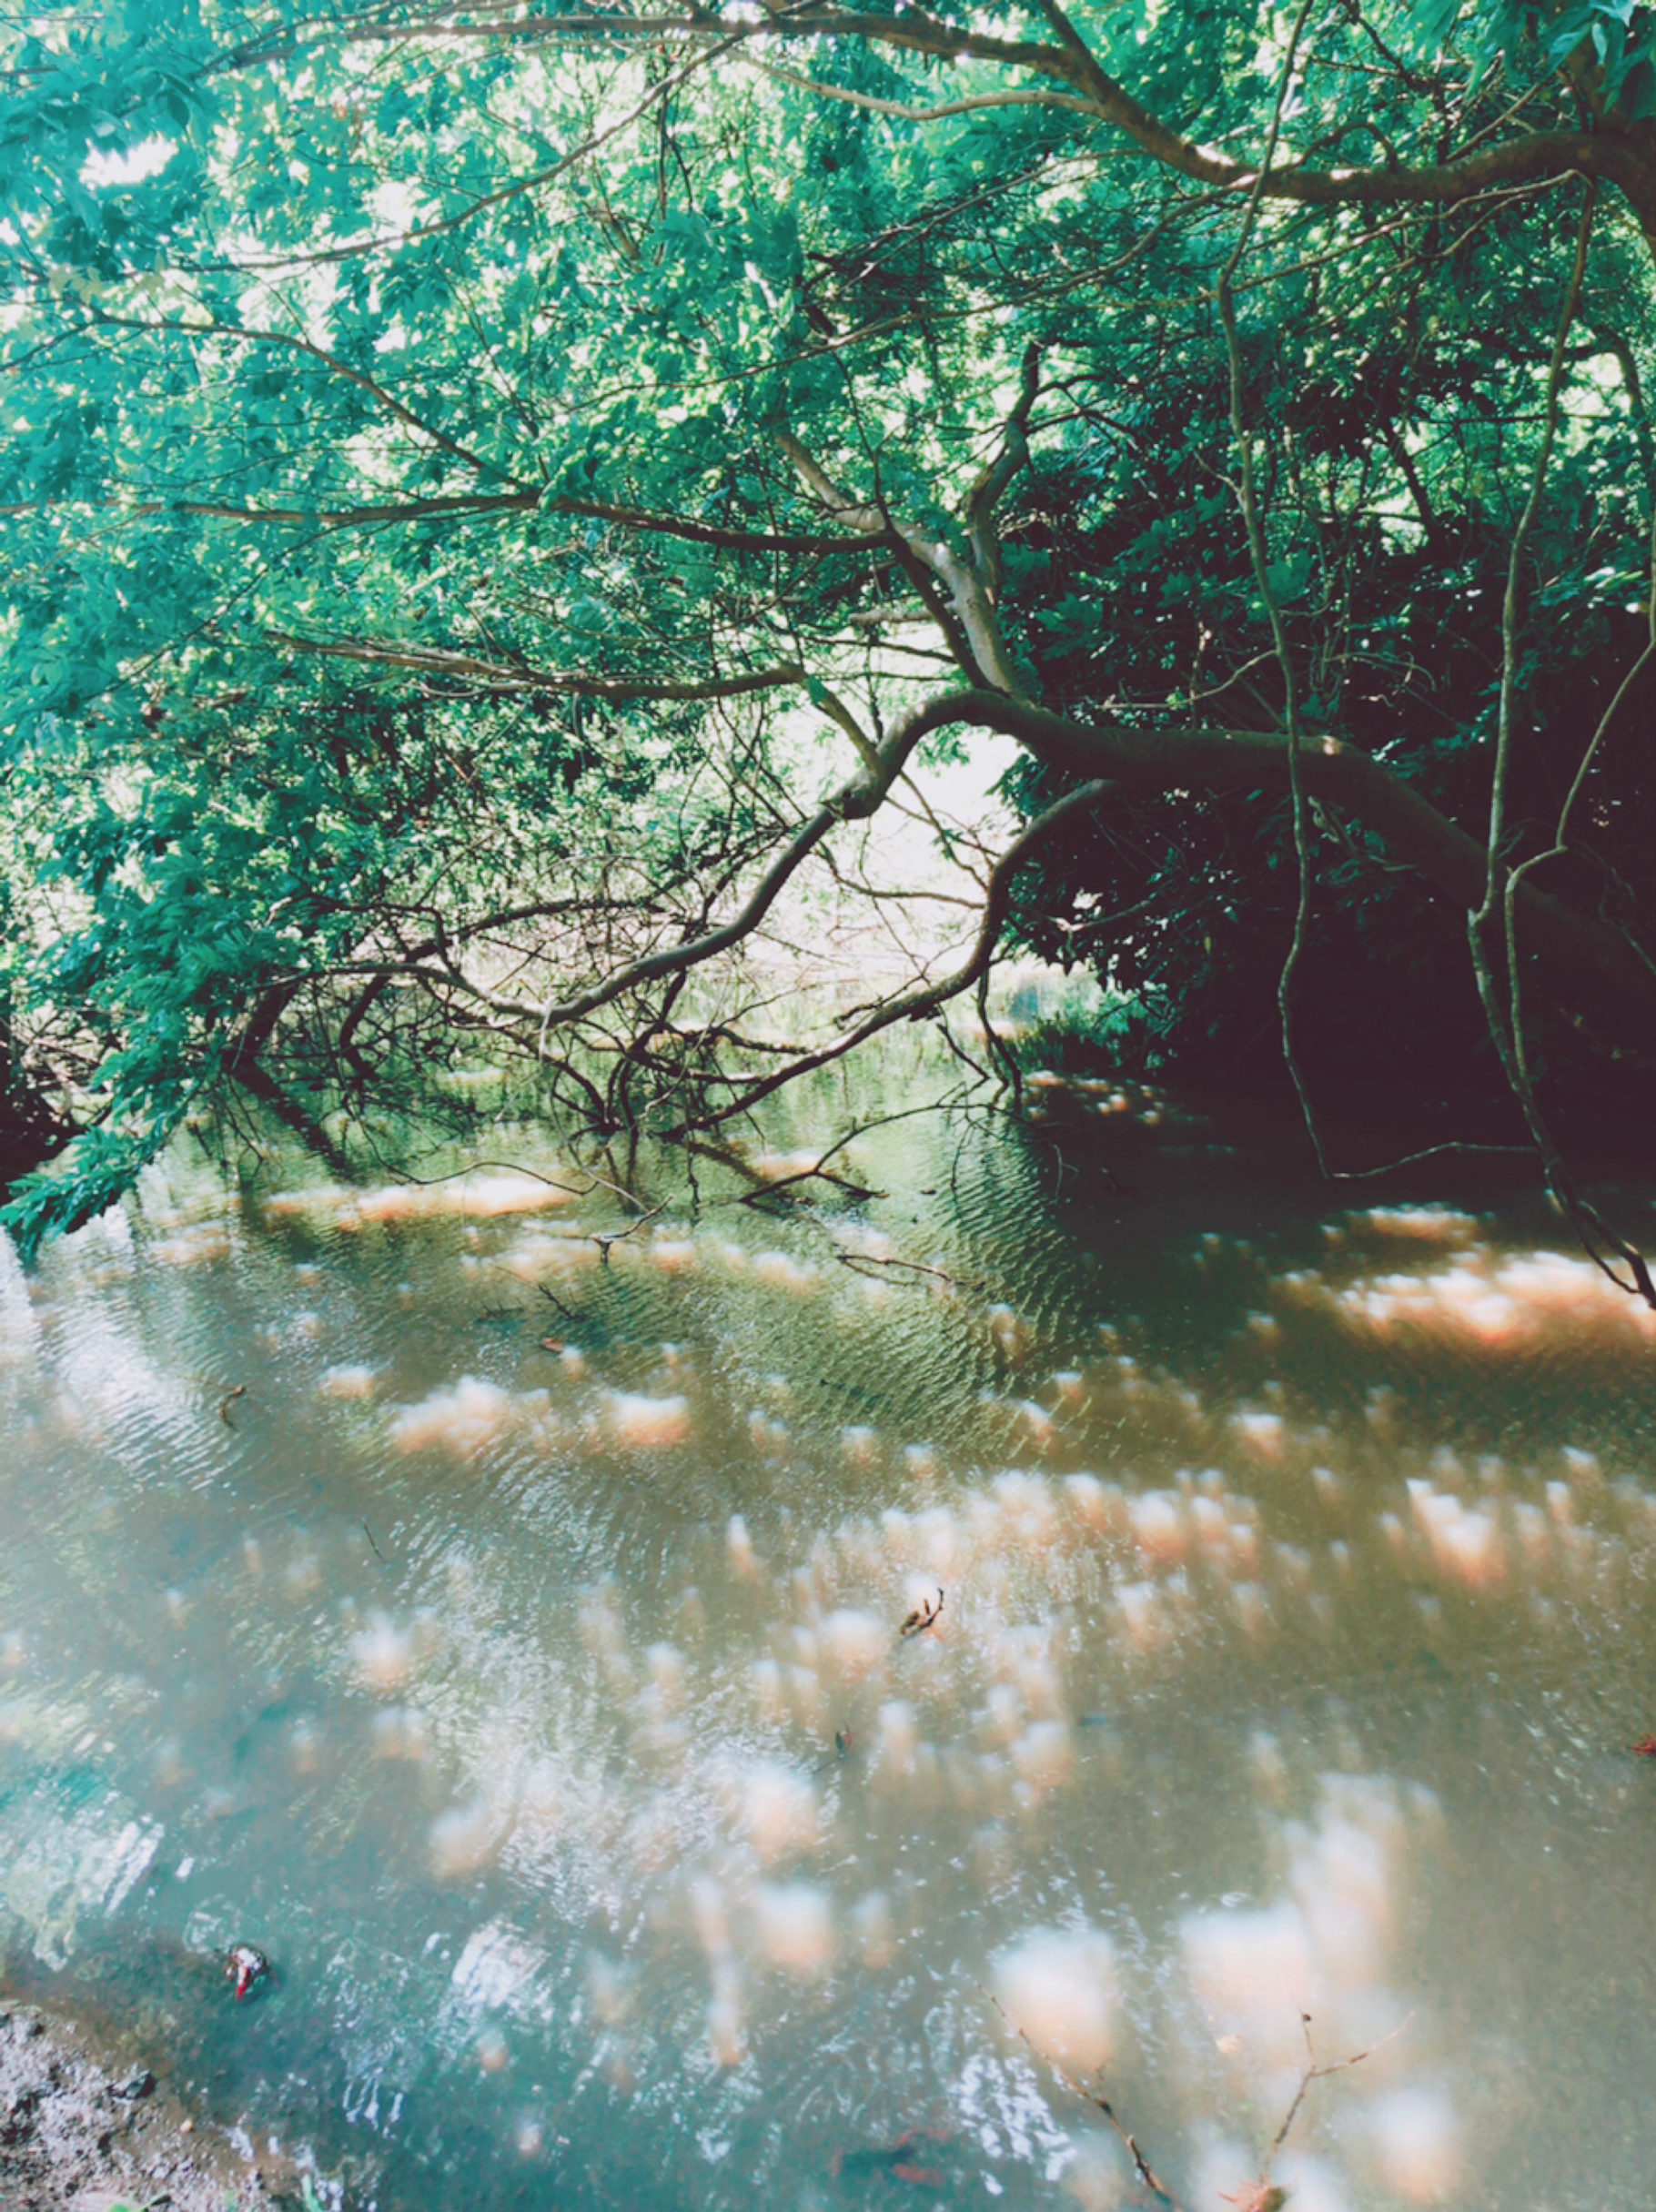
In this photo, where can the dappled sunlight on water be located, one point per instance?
(501, 1623)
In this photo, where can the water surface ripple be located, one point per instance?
(503, 1630)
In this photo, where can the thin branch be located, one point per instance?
(1259, 554)
(604, 1238)
(591, 144)
(513, 676)
(902, 112)
(212, 327)
(1506, 1026)
(1520, 537)
(1141, 2164)
(917, 1005)
(864, 1263)
(856, 801)
(705, 533)
(373, 514)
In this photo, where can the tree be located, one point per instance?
(452, 449)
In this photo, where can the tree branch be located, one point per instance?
(211, 326)
(958, 596)
(902, 113)
(856, 801)
(1589, 970)
(459, 504)
(1013, 457)
(1611, 151)
(926, 998)
(1618, 152)
(515, 676)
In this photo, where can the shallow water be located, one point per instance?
(504, 1635)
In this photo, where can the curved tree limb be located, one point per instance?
(1589, 969)
(855, 801)
(1622, 154)
(1012, 459)
(1616, 150)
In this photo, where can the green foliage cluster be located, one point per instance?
(1397, 434)
(413, 594)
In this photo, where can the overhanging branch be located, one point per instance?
(927, 998)
(1617, 151)
(516, 676)
(1590, 971)
(856, 801)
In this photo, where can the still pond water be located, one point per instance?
(503, 1632)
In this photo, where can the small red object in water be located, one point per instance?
(245, 1967)
(1646, 1747)
(927, 2176)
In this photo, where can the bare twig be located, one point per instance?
(1141, 2164)
(1314, 2073)
(594, 1181)
(926, 998)
(1501, 883)
(818, 1173)
(604, 1238)
(863, 1263)
(1261, 2194)
(1259, 553)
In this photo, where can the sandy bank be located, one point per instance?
(74, 2138)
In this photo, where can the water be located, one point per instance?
(505, 1637)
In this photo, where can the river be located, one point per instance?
(500, 1621)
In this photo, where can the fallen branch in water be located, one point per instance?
(1260, 2195)
(1141, 2165)
(595, 1180)
(568, 1312)
(860, 1263)
(819, 1173)
(925, 1615)
(1314, 2073)
(809, 1174)
(604, 1238)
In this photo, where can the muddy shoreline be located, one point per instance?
(76, 2136)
